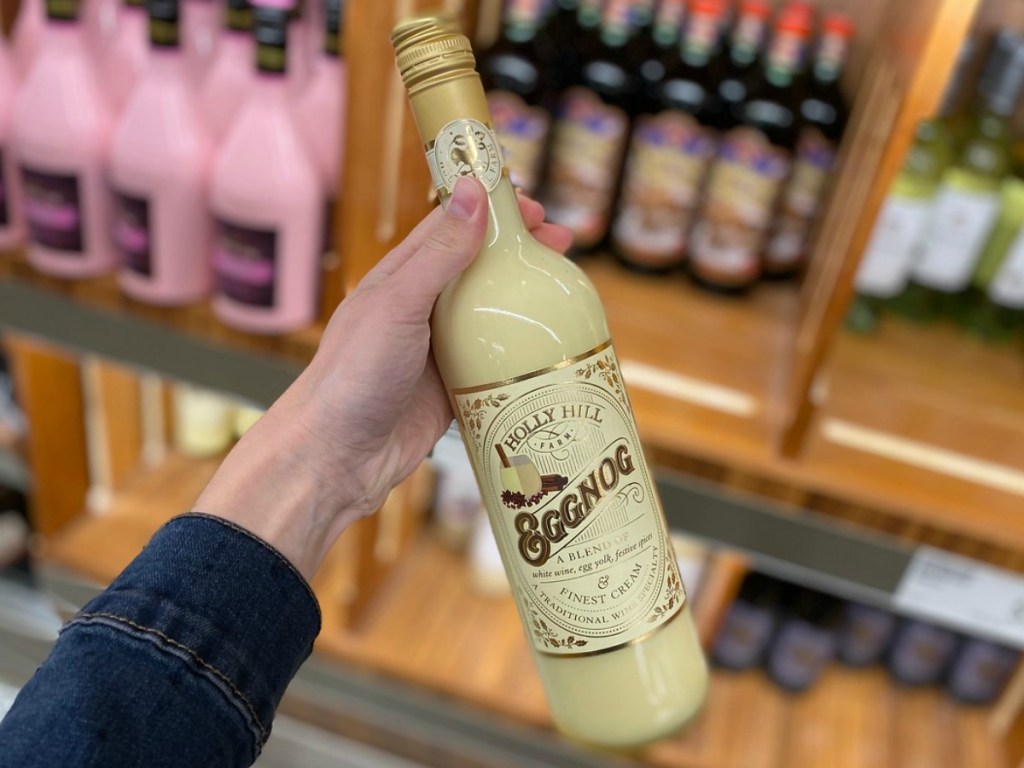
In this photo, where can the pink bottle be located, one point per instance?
(321, 114)
(199, 28)
(125, 60)
(159, 167)
(12, 221)
(267, 201)
(27, 35)
(61, 126)
(230, 77)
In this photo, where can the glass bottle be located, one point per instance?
(823, 116)
(884, 271)
(753, 163)
(590, 134)
(994, 306)
(744, 50)
(161, 222)
(522, 345)
(967, 201)
(512, 76)
(669, 153)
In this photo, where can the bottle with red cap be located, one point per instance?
(744, 50)
(823, 115)
(753, 164)
(671, 147)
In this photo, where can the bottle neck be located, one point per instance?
(522, 19)
(588, 14)
(785, 57)
(615, 26)
(641, 13)
(271, 32)
(700, 40)
(668, 22)
(832, 52)
(746, 40)
(452, 118)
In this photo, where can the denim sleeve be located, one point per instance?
(182, 661)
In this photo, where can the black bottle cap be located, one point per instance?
(271, 30)
(332, 42)
(62, 10)
(238, 15)
(1001, 82)
(163, 23)
(758, 589)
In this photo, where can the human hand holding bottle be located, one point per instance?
(370, 405)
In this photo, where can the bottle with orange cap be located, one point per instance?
(744, 49)
(823, 115)
(754, 160)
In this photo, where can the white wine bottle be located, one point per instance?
(523, 347)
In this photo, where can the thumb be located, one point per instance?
(447, 251)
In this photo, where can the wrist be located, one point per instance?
(278, 484)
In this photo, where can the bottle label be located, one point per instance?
(742, 193)
(464, 147)
(1007, 287)
(815, 157)
(668, 157)
(589, 139)
(4, 216)
(523, 132)
(572, 505)
(888, 258)
(956, 232)
(245, 263)
(130, 233)
(746, 37)
(52, 210)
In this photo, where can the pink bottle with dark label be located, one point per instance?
(230, 78)
(267, 202)
(321, 113)
(125, 59)
(12, 219)
(159, 168)
(27, 35)
(60, 132)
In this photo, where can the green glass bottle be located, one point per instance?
(997, 293)
(888, 258)
(967, 202)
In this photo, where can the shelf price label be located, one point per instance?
(965, 594)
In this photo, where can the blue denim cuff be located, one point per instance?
(223, 602)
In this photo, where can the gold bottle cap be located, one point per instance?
(428, 47)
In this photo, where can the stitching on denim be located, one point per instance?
(199, 660)
(265, 545)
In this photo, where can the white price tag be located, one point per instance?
(965, 593)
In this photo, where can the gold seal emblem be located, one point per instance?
(465, 148)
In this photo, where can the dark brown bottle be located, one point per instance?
(823, 116)
(511, 72)
(670, 151)
(752, 166)
(740, 64)
(590, 134)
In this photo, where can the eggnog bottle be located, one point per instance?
(523, 347)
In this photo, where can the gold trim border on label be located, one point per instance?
(635, 641)
(533, 374)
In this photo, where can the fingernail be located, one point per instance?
(464, 199)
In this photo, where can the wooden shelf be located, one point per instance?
(429, 629)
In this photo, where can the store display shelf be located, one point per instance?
(188, 344)
(437, 669)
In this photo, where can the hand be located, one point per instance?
(371, 404)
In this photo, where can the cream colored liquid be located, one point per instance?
(520, 308)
